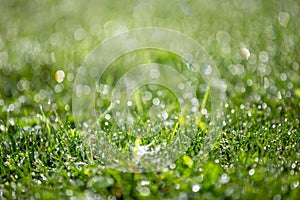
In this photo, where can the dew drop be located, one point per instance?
(277, 197)
(156, 101)
(165, 115)
(173, 166)
(224, 179)
(59, 76)
(129, 103)
(69, 192)
(107, 116)
(295, 184)
(207, 70)
(263, 56)
(293, 166)
(246, 53)
(196, 188)
(145, 182)
(204, 111)
(144, 191)
(251, 172)
(284, 18)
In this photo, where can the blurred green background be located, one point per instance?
(38, 38)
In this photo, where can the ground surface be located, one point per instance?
(257, 152)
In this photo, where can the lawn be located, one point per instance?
(65, 135)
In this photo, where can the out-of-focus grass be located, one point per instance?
(257, 155)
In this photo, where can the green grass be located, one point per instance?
(257, 153)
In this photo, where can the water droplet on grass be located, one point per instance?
(204, 111)
(70, 76)
(59, 76)
(284, 18)
(129, 103)
(10, 108)
(58, 88)
(295, 184)
(69, 192)
(283, 76)
(277, 197)
(224, 179)
(263, 56)
(2, 127)
(145, 182)
(173, 166)
(196, 188)
(251, 172)
(107, 117)
(147, 96)
(246, 53)
(144, 191)
(156, 101)
(207, 70)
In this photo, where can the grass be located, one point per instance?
(44, 154)
(257, 154)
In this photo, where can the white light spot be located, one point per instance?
(204, 111)
(251, 172)
(165, 115)
(283, 76)
(107, 116)
(224, 179)
(295, 184)
(60, 76)
(207, 70)
(245, 52)
(195, 188)
(145, 182)
(194, 101)
(129, 103)
(156, 101)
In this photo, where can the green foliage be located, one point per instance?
(257, 153)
